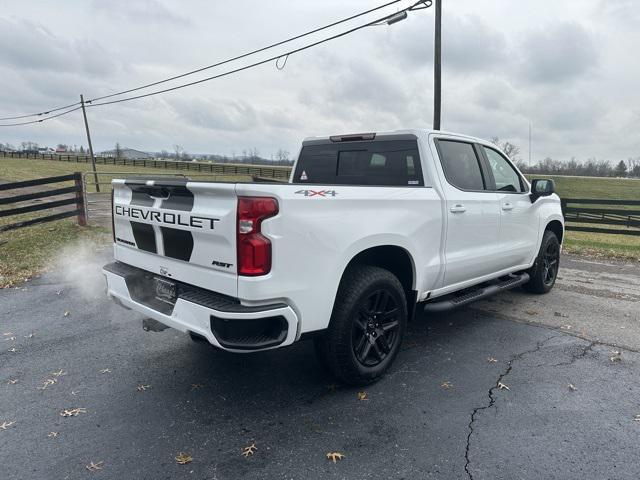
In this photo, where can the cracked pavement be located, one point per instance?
(409, 427)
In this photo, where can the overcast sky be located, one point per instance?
(570, 68)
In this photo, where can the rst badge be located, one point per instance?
(317, 193)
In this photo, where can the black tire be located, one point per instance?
(366, 328)
(544, 272)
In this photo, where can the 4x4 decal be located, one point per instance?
(317, 193)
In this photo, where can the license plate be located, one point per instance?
(165, 290)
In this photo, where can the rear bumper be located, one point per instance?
(223, 321)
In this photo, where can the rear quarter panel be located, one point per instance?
(314, 237)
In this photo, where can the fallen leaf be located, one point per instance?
(13, 350)
(142, 388)
(560, 314)
(572, 387)
(92, 467)
(566, 327)
(636, 418)
(491, 360)
(74, 393)
(362, 396)
(196, 386)
(447, 385)
(335, 456)
(105, 370)
(531, 312)
(48, 382)
(10, 339)
(59, 373)
(616, 356)
(250, 450)
(502, 386)
(52, 434)
(5, 425)
(31, 335)
(12, 381)
(183, 458)
(72, 412)
(66, 314)
(58, 292)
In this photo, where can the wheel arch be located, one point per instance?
(556, 227)
(396, 260)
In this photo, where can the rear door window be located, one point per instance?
(460, 165)
(383, 162)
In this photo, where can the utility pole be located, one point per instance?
(437, 66)
(93, 158)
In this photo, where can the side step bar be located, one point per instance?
(450, 302)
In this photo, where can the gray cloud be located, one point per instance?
(558, 53)
(499, 73)
(140, 12)
(218, 114)
(31, 46)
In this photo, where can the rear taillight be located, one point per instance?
(254, 249)
(113, 222)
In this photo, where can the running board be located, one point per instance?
(451, 302)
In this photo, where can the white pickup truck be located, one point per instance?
(368, 227)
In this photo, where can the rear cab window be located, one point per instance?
(371, 162)
(461, 165)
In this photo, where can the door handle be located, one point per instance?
(507, 206)
(458, 208)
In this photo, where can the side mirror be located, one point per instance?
(542, 187)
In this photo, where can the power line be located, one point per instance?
(261, 62)
(46, 112)
(42, 119)
(198, 70)
(244, 55)
(391, 18)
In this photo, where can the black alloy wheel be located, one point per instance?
(550, 262)
(375, 328)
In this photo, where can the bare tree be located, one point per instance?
(511, 150)
(177, 149)
(282, 155)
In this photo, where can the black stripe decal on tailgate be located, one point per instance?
(180, 198)
(144, 236)
(177, 243)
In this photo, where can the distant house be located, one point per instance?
(126, 153)
(60, 150)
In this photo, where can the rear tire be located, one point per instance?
(366, 328)
(544, 272)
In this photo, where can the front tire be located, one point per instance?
(366, 328)
(545, 269)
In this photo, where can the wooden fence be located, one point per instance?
(602, 216)
(76, 199)
(264, 171)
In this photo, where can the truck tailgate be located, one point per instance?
(179, 229)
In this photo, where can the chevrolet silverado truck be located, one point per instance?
(368, 228)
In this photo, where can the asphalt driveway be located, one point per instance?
(516, 387)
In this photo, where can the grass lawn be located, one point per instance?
(16, 169)
(599, 244)
(592, 187)
(28, 251)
